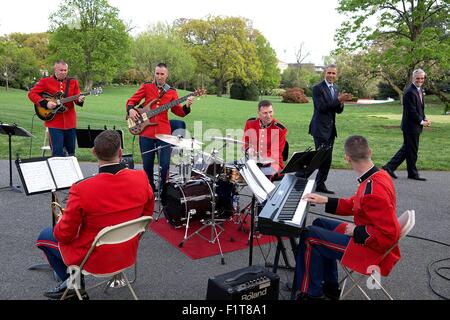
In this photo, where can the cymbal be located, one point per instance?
(188, 144)
(226, 139)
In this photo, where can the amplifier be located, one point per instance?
(247, 284)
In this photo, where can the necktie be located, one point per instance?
(332, 91)
(421, 95)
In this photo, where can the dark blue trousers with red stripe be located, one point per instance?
(319, 250)
(47, 243)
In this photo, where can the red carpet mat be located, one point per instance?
(231, 239)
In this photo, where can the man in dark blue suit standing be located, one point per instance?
(413, 121)
(327, 102)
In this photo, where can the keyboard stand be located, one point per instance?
(282, 249)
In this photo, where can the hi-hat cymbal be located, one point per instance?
(226, 139)
(188, 144)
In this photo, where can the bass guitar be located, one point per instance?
(47, 114)
(146, 112)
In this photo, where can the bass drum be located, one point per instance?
(194, 196)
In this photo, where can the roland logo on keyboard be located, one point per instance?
(254, 295)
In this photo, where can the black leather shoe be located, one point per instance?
(331, 291)
(57, 293)
(417, 178)
(391, 173)
(306, 297)
(323, 189)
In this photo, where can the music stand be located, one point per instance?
(306, 162)
(12, 130)
(86, 137)
(42, 175)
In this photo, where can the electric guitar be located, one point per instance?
(146, 112)
(47, 114)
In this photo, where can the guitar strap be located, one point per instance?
(164, 89)
(66, 92)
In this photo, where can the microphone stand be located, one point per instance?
(159, 176)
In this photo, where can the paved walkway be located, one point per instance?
(167, 274)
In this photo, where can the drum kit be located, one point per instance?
(204, 187)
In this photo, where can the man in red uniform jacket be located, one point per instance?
(150, 91)
(265, 138)
(115, 195)
(360, 245)
(62, 127)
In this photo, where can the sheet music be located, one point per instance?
(37, 176)
(260, 185)
(264, 182)
(66, 171)
(259, 192)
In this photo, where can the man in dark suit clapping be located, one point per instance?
(413, 121)
(327, 102)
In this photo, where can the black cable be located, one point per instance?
(436, 271)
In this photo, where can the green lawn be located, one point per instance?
(213, 116)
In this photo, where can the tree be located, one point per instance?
(304, 78)
(354, 75)
(89, 35)
(271, 76)
(37, 42)
(18, 66)
(223, 49)
(300, 55)
(162, 44)
(408, 34)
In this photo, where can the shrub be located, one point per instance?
(237, 91)
(251, 93)
(240, 92)
(294, 95)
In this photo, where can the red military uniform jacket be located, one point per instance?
(51, 85)
(149, 92)
(267, 141)
(115, 195)
(377, 229)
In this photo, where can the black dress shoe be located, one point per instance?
(417, 178)
(57, 293)
(323, 189)
(306, 297)
(391, 173)
(332, 292)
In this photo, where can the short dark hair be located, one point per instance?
(162, 65)
(357, 148)
(107, 145)
(264, 103)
